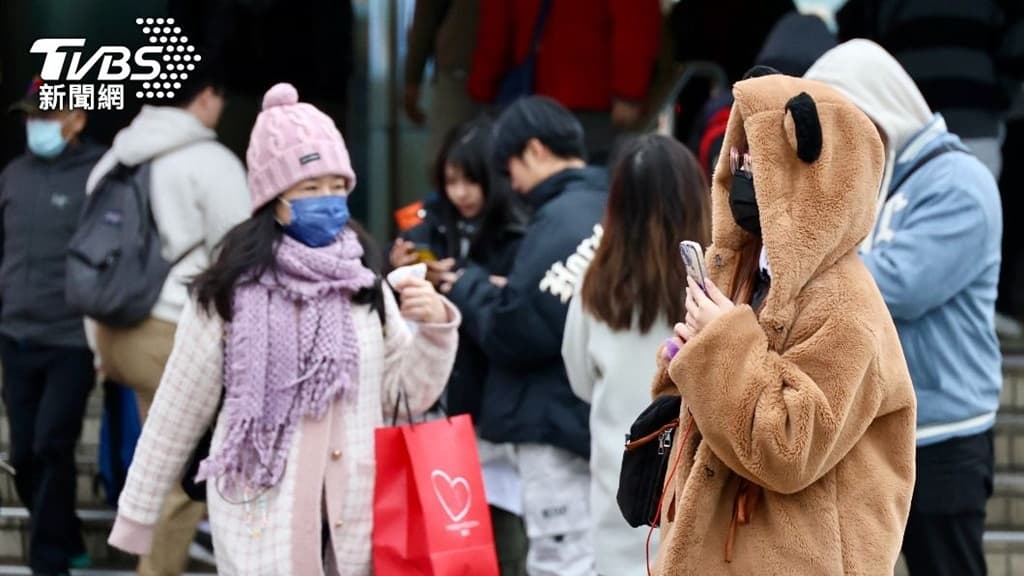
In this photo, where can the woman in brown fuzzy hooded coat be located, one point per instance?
(800, 459)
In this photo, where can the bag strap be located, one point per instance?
(639, 442)
(141, 176)
(538, 27)
(665, 488)
(922, 161)
(408, 412)
(403, 398)
(185, 254)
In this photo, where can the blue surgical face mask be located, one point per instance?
(45, 138)
(317, 221)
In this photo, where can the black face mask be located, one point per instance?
(744, 203)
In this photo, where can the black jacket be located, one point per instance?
(966, 56)
(40, 201)
(527, 398)
(464, 392)
(795, 43)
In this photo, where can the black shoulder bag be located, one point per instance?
(645, 461)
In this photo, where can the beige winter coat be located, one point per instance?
(810, 399)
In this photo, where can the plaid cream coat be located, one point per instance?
(330, 470)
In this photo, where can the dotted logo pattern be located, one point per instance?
(179, 57)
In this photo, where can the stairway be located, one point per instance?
(1004, 539)
(97, 518)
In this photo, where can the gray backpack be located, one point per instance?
(114, 268)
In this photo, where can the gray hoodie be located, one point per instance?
(198, 191)
(40, 201)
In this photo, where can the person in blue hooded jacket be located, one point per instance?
(935, 254)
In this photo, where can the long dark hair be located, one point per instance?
(658, 198)
(468, 148)
(748, 267)
(248, 251)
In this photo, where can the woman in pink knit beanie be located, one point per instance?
(293, 350)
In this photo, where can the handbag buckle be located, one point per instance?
(664, 441)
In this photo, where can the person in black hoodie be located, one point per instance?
(473, 220)
(47, 366)
(794, 43)
(518, 323)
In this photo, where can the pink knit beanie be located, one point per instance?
(291, 142)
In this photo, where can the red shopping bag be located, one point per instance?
(430, 513)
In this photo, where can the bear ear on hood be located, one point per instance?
(803, 128)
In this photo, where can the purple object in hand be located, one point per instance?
(671, 348)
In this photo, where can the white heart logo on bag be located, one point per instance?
(452, 493)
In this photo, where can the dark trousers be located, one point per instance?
(947, 515)
(511, 542)
(46, 389)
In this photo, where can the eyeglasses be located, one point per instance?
(740, 162)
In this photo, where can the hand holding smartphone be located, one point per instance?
(424, 253)
(693, 259)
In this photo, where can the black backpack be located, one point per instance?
(115, 271)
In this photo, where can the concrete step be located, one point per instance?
(1004, 554)
(1005, 510)
(90, 438)
(1009, 441)
(1012, 398)
(10, 567)
(89, 494)
(1004, 549)
(1004, 542)
(96, 525)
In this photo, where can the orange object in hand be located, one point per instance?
(410, 216)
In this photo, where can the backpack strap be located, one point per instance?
(186, 253)
(141, 174)
(923, 160)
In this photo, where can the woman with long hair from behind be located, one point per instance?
(631, 293)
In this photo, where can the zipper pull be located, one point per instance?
(664, 442)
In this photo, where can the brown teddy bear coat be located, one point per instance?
(810, 399)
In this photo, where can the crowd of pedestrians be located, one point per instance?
(834, 357)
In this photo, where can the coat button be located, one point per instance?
(708, 472)
(336, 455)
(339, 524)
(718, 260)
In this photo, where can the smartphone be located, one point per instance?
(424, 253)
(693, 260)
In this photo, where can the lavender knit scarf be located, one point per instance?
(291, 350)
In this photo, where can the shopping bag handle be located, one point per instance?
(408, 411)
(403, 398)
